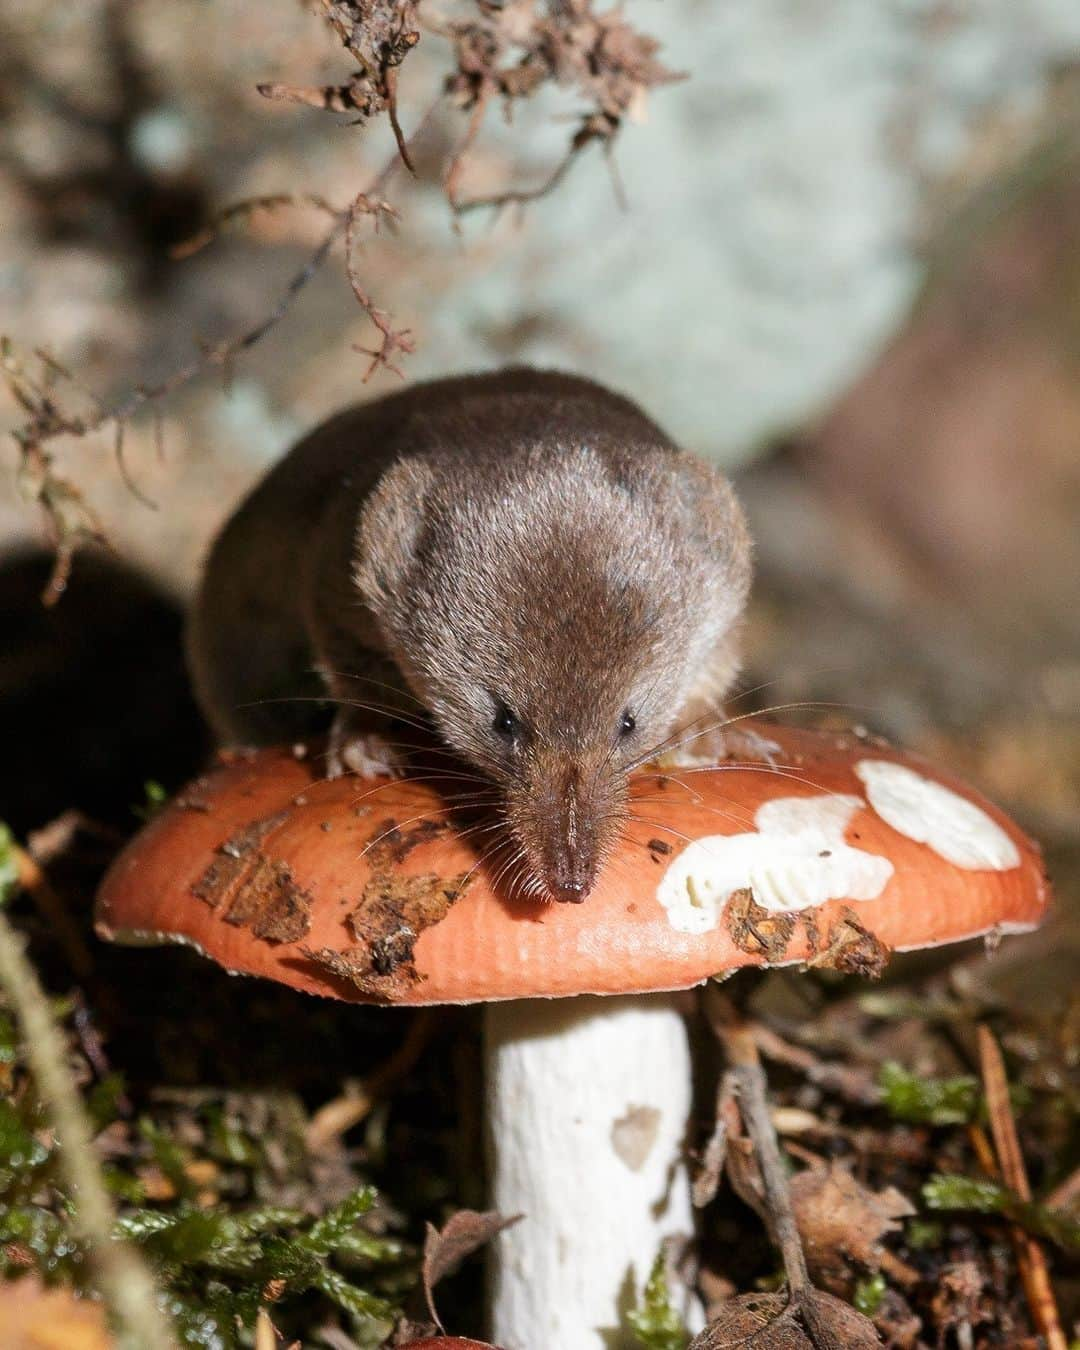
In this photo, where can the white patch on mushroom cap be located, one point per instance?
(956, 829)
(796, 859)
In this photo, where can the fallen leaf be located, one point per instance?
(842, 1222)
(462, 1234)
(814, 1321)
(35, 1318)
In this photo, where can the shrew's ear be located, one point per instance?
(703, 514)
(390, 532)
(714, 517)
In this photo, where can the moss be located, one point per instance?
(217, 1254)
(9, 869)
(989, 1197)
(928, 1101)
(869, 1294)
(655, 1323)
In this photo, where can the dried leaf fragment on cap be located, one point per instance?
(852, 949)
(755, 929)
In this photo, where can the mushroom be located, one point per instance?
(844, 852)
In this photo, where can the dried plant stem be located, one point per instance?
(854, 1084)
(124, 1280)
(1029, 1253)
(829, 1323)
(68, 517)
(983, 1149)
(749, 1081)
(265, 1333)
(707, 1182)
(1065, 1194)
(50, 906)
(332, 1120)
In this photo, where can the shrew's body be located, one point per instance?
(523, 556)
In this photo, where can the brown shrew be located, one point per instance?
(522, 561)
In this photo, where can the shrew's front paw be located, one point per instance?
(746, 744)
(366, 754)
(720, 745)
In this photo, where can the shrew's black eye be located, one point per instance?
(505, 723)
(627, 724)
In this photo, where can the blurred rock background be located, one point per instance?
(840, 257)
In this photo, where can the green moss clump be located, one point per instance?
(928, 1101)
(655, 1324)
(869, 1294)
(217, 1254)
(989, 1197)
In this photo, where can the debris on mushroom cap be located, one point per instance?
(844, 852)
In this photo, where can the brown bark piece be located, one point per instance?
(755, 929)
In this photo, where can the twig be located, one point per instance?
(32, 879)
(241, 210)
(70, 520)
(707, 1180)
(344, 1112)
(1029, 1253)
(830, 1323)
(1066, 1193)
(983, 1150)
(457, 163)
(393, 340)
(395, 125)
(853, 1084)
(749, 1081)
(219, 354)
(499, 52)
(515, 196)
(125, 472)
(125, 1281)
(54, 839)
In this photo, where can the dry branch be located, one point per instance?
(1029, 1252)
(505, 52)
(125, 1281)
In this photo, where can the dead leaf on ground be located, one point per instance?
(962, 1298)
(444, 1250)
(841, 1222)
(35, 1318)
(814, 1321)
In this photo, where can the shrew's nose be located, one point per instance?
(569, 892)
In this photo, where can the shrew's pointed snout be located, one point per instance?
(573, 853)
(564, 813)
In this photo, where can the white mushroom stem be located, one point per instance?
(589, 1100)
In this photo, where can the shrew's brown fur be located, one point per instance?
(525, 557)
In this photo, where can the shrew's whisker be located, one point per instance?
(678, 740)
(367, 679)
(378, 709)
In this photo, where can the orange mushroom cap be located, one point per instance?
(372, 892)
